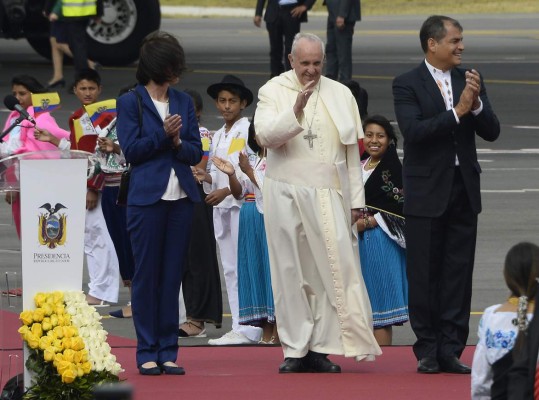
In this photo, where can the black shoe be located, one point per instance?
(317, 362)
(172, 369)
(428, 365)
(453, 365)
(56, 84)
(292, 365)
(149, 371)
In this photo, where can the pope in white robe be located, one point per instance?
(313, 192)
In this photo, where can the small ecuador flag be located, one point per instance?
(236, 145)
(102, 112)
(205, 147)
(45, 102)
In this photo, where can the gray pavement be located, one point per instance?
(504, 48)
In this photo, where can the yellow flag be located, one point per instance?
(78, 130)
(205, 143)
(45, 102)
(236, 145)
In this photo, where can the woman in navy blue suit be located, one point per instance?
(158, 133)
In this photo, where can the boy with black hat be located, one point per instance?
(231, 98)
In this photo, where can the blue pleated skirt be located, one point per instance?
(254, 280)
(383, 264)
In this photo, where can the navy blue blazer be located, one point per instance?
(150, 152)
(432, 138)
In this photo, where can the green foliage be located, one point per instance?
(47, 383)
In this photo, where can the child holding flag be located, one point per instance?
(25, 137)
(231, 98)
(85, 124)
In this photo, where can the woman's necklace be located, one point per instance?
(371, 165)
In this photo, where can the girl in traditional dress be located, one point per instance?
(381, 239)
(254, 279)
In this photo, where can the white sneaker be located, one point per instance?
(231, 338)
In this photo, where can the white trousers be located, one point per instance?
(226, 224)
(101, 258)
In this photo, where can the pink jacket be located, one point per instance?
(43, 121)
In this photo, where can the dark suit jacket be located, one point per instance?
(272, 9)
(150, 152)
(350, 10)
(432, 138)
(522, 373)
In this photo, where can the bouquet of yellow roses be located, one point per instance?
(69, 353)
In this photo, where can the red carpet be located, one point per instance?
(226, 373)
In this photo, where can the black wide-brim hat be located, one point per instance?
(227, 82)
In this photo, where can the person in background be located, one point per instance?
(24, 137)
(381, 241)
(76, 15)
(158, 133)
(283, 20)
(231, 98)
(440, 108)
(503, 327)
(201, 284)
(101, 257)
(342, 17)
(59, 43)
(313, 195)
(254, 277)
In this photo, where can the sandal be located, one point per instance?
(190, 329)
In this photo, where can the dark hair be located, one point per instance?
(87, 74)
(384, 123)
(161, 59)
(434, 28)
(29, 82)
(361, 96)
(251, 138)
(197, 99)
(521, 270)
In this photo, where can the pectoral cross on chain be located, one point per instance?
(309, 136)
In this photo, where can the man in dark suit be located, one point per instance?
(342, 17)
(523, 374)
(440, 108)
(283, 19)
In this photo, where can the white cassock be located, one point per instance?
(321, 303)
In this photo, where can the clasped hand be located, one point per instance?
(469, 98)
(172, 125)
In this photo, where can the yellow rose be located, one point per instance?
(58, 297)
(57, 343)
(86, 367)
(48, 309)
(70, 331)
(59, 309)
(46, 324)
(66, 343)
(32, 340)
(26, 317)
(69, 375)
(38, 314)
(23, 330)
(59, 332)
(44, 342)
(40, 299)
(49, 353)
(63, 366)
(68, 355)
(80, 371)
(77, 357)
(84, 354)
(37, 330)
(58, 358)
(77, 343)
(54, 320)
